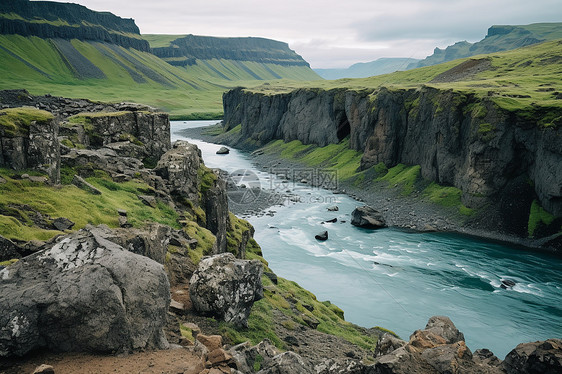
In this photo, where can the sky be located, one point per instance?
(336, 33)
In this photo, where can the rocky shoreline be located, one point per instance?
(412, 212)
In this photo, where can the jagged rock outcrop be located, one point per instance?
(543, 357)
(81, 23)
(180, 168)
(84, 293)
(226, 287)
(491, 154)
(32, 143)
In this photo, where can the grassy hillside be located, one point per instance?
(107, 72)
(521, 79)
(499, 38)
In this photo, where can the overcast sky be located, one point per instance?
(336, 33)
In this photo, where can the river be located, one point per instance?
(397, 279)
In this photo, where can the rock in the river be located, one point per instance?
(226, 287)
(543, 357)
(321, 236)
(223, 151)
(507, 283)
(367, 217)
(84, 293)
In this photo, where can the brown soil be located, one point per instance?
(463, 71)
(171, 361)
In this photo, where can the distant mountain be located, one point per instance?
(499, 38)
(368, 69)
(232, 58)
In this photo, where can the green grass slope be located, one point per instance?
(108, 72)
(523, 79)
(499, 38)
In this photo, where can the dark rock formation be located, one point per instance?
(82, 23)
(489, 153)
(215, 202)
(153, 241)
(367, 217)
(226, 287)
(321, 236)
(543, 357)
(223, 151)
(83, 294)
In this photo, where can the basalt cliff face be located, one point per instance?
(499, 159)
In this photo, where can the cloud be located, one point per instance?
(334, 33)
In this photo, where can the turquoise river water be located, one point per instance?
(398, 279)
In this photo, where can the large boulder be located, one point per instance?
(226, 287)
(439, 348)
(543, 357)
(84, 293)
(367, 217)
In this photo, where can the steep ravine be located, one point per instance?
(500, 160)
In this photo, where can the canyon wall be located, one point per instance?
(496, 157)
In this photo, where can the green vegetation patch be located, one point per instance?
(447, 196)
(78, 205)
(234, 237)
(296, 306)
(16, 121)
(538, 217)
(339, 156)
(403, 176)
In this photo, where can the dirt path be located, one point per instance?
(171, 361)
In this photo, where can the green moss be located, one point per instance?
(447, 196)
(187, 333)
(78, 206)
(538, 217)
(381, 169)
(16, 121)
(403, 176)
(258, 362)
(9, 262)
(205, 240)
(207, 178)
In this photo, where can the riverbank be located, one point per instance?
(413, 211)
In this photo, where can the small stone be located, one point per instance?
(38, 179)
(82, 184)
(124, 222)
(212, 342)
(63, 224)
(44, 369)
(334, 208)
(177, 306)
(223, 151)
(148, 200)
(122, 212)
(218, 356)
(2, 180)
(25, 176)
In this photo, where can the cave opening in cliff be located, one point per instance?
(343, 128)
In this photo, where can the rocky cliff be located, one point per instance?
(47, 19)
(498, 158)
